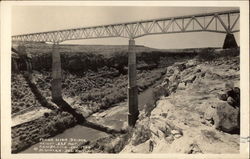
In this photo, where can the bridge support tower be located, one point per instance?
(26, 58)
(230, 41)
(133, 111)
(56, 85)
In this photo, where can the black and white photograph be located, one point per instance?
(126, 79)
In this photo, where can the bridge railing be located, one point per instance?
(219, 22)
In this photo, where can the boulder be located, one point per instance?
(231, 101)
(223, 116)
(145, 147)
(234, 95)
(185, 145)
(160, 126)
(170, 71)
(226, 118)
(191, 63)
(181, 66)
(181, 86)
(223, 97)
(189, 79)
(236, 90)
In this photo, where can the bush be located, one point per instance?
(59, 125)
(46, 114)
(210, 54)
(50, 128)
(159, 92)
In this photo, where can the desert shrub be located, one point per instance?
(68, 122)
(210, 54)
(229, 52)
(159, 92)
(46, 114)
(50, 128)
(14, 110)
(119, 60)
(59, 125)
(65, 114)
(58, 122)
(22, 137)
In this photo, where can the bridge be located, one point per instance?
(225, 22)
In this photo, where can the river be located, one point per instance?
(115, 118)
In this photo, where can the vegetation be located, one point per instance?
(58, 123)
(50, 124)
(210, 54)
(21, 96)
(92, 81)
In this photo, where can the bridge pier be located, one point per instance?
(133, 111)
(56, 84)
(26, 58)
(230, 41)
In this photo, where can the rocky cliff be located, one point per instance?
(199, 113)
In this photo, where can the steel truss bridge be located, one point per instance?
(226, 22)
(218, 22)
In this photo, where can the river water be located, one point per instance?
(115, 118)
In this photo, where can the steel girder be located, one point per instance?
(219, 22)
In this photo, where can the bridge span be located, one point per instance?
(226, 22)
(218, 22)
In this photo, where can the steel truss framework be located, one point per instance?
(219, 22)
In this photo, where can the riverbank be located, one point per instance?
(201, 113)
(190, 114)
(54, 122)
(95, 94)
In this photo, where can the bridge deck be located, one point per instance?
(219, 22)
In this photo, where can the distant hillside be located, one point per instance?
(189, 49)
(106, 50)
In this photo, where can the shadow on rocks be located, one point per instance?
(66, 107)
(82, 121)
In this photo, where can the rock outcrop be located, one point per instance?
(199, 115)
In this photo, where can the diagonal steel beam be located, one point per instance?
(134, 29)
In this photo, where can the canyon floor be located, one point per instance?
(193, 103)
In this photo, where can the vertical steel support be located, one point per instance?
(228, 21)
(56, 73)
(133, 111)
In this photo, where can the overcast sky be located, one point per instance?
(29, 19)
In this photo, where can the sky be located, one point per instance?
(30, 19)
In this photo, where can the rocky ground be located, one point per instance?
(196, 106)
(196, 111)
(201, 113)
(95, 90)
(86, 94)
(49, 124)
(22, 98)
